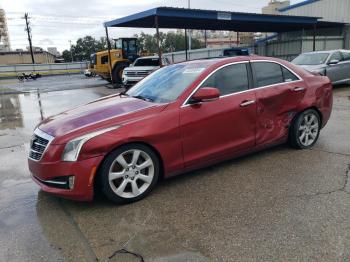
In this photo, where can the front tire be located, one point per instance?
(117, 73)
(305, 129)
(129, 173)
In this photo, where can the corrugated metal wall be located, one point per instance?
(329, 10)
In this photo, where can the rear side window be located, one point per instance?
(267, 73)
(288, 76)
(336, 56)
(230, 79)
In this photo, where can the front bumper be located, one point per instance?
(43, 173)
(127, 80)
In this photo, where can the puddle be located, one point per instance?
(25, 214)
(20, 113)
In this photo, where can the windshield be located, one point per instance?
(147, 62)
(166, 84)
(311, 59)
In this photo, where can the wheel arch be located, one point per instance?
(307, 108)
(300, 112)
(154, 149)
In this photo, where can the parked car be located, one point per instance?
(334, 64)
(180, 118)
(142, 67)
(89, 73)
(235, 51)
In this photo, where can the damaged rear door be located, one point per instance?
(279, 93)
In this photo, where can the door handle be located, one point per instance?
(247, 103)
(298, 89)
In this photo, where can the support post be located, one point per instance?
(205, 38)
(314, 38)
(238, 42)
(158, 41)
(186, 47)
(109, 55)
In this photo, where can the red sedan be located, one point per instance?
(180, 118)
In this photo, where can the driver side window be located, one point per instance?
(230, 79)
(335, 56)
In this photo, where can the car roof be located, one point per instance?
(225, 60)
(327, 51)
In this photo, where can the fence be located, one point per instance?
(289, 49)
(285, 49)
(180, 56)
(43, 69)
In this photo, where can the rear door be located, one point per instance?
(211, 130)
(279, 92)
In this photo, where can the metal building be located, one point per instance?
(289, 45)
(4, 35)
(328, 10)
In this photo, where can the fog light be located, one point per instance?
(71, 181)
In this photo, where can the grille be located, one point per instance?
(38, 144)
(137, 73)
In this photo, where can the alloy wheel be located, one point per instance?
(308, 129)
(131, 173)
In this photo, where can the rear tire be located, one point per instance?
(129, 173)
(305, 129)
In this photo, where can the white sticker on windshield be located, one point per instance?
(193, 70)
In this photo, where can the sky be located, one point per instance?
(55, 22)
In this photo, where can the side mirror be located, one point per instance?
(206, 94)
(333, 62)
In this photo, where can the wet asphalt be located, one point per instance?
(280, 204)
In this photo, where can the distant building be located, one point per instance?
(273, 7)
(54, 51)
(4, 34)
(35, 49)
(11, 58)
(328, 10)
(217, 39)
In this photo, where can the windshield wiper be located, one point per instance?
(143, 98)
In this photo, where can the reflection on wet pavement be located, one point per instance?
(20, 113)
(22, 235)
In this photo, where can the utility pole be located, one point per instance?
(71, 50)
(189, 31)
(28, 29)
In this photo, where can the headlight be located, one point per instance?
(72, 149)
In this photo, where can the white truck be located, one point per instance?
(141, 68)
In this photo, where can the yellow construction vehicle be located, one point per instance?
(123, 54)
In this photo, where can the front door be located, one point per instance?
(213, 129)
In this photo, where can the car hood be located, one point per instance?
(114, 108)
(140, 68)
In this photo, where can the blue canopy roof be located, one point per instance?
(181, 18)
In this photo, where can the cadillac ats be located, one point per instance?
(180, 118)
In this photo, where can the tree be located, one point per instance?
(66, 56)
(84, 48)
(169, 42)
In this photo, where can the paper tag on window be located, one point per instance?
(193, 70)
